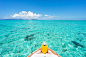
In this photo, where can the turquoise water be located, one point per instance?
(65, 37)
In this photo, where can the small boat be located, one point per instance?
(52, 53)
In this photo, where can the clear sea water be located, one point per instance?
(65, 37)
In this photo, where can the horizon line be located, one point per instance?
(42, 19)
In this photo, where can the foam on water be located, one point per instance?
(61, 36)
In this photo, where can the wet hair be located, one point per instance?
(44, 43)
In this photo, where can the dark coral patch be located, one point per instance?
(77, 44)
(29, 37)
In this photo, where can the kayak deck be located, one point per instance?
(43, 55)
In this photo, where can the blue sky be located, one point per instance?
(43, 9)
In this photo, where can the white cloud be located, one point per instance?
(47, 16)
(26, 15)
(29, 15)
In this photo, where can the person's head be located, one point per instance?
(44, 42)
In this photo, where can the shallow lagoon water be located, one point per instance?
(19, 38)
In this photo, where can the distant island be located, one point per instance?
(18, 19)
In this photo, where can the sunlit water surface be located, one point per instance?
(19, 38)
